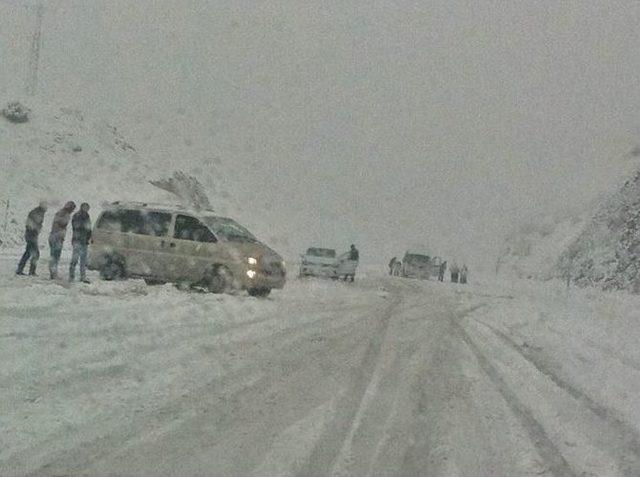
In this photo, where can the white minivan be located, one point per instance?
(172, 244)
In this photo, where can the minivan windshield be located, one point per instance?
(228, 229)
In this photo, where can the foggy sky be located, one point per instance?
(385, 123)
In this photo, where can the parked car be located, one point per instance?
(319, 262)
(417, 265)
(323, 262)
(163, 243)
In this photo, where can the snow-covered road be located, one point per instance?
(382, 377)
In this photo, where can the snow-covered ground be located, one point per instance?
(385, 376)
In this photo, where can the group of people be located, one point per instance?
(81, 234)
(458, 274)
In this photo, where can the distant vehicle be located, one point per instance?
(323, 263)
(416, 265)
(163, 243)
(319, 262)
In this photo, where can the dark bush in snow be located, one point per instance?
(16, 112)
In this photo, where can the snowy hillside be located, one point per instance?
(60, 154)
(599, 234)
(532, 251)
(606, 252)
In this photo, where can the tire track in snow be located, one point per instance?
(607, 351)
(157, 420)
(626, 433)
(361, 433)
(327, 451)
(558, 465)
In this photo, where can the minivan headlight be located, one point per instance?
(252, 261)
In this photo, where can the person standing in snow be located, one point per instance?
(56, 237)
(397, 268)
(354, 254)
(31, 233)
(455, 272)
(392, 264)
(463, 274)
(81, 226)
(442, 270)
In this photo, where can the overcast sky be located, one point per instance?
(385, 123)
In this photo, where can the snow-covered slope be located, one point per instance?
(60, 154)
(607, 252)
(63, 154)
(532, 251)
(594, 243)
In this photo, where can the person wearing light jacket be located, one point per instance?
(464, 271)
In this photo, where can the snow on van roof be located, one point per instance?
(418, 252)
(159, 206)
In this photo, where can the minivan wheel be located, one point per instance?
(112, 270)
(259, 292)
(218, 280)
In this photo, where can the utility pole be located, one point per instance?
(6, 218)
(34, 51)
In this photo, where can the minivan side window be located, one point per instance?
(190, 228)
(135, 222)
(157, 223)
(132, 222)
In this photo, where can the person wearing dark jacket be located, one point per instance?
(81, 225)
(31, 233)
(455, 272)
(392, 265)
(56, 237)
(353, 253)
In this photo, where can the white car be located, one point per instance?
(319, 262)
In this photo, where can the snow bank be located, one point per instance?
(584, 340)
